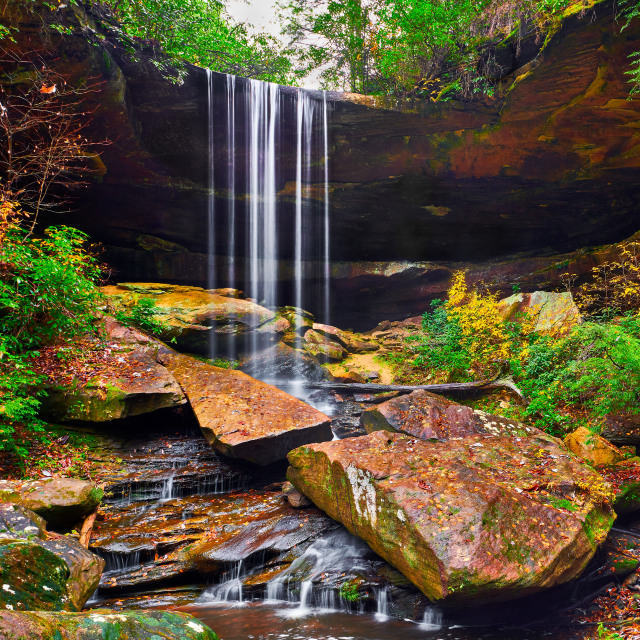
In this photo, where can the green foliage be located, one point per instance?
(427, 48)
(349, 591)
(577, 378)
(441, 345)
(47, 292)
(596, 368)
(143, 314)
(200, 32)
(629, 10)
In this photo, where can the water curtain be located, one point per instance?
(269, 215)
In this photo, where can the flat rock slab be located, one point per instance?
(57, 500)
(483, 519)
(98, 625)
(242, 417)
(136, 384)
(426, 415)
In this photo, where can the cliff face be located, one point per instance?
(547, 166)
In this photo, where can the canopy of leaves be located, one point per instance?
(201, 32)
(412, 47)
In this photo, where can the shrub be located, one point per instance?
(47, 292)
(142, 314)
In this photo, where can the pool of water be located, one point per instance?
(264, 621)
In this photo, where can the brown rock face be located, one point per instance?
(146, 387)
(242, 417)
(483, 519)
(425, 415)
(549, 165)
(199, 318)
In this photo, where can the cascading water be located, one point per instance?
(266, 228)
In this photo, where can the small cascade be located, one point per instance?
(314, 580)
(120, 561)
(230, 588)
(167, 489)
(432, 619)
(382, 597)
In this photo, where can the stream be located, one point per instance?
(185, 528)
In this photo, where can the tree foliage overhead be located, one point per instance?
(200, 32)
(412, 47)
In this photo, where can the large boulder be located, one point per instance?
(481, 519)
(549, 313)
(59, 501)
(40, 570)
(242, 417)
(323, 347)
(425, 415)
(592, 447)
(348, 339)
(99, 624)
(201, 318)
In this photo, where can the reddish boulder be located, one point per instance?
(482, 519)
(425, 415)
(242, 417)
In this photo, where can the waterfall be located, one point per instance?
(264, 238)
(211, 217)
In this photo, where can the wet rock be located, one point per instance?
(282, 362)
(323, 348)
(482, 519)
(242, 417)
(182, 540)
(100, 624)
(592, 447)
(624, 477)
(622, 428)
(136, 386)
(347, 339)
(426, 415)
(85, 568)
(551, 313)
(195, 317)
(58, 500)
(294, 497)
(40, 570)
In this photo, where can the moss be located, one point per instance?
(597, 525)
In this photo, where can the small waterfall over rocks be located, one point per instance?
(272, 144)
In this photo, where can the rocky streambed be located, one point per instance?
(182, 526)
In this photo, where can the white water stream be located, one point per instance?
(251, 200)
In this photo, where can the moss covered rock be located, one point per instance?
(137, 384)
(58, 500)
(481, 519)
(102, 625)
(193, 315)
(550, 313)
(40, 570)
